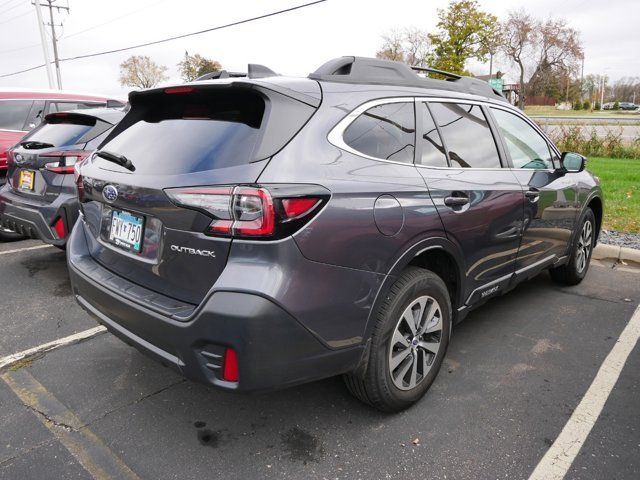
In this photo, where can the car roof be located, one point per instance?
(44, 94)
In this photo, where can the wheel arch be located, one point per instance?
(596, 206)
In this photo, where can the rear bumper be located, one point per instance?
(274, 350)
(36, 220)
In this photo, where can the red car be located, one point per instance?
(22, 110)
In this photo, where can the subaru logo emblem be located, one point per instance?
(110, 193)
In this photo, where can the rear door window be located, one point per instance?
(526, 147)
(14, 113)
(432, 150)
(385, 131)
(467, 135)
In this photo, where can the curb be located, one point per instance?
(616, 253)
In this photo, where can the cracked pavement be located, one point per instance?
(515, 371)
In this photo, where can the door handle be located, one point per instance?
(456, 201)
(532, 195)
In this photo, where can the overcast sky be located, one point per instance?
(292, 43)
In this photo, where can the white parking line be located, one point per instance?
(558, 459)
(18, 250)
(9, 360)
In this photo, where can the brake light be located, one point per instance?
(65, 162)
(174, 90)
(230, 367)
(244, 211)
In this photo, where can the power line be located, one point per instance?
(6, 2)
(11, 8)
(112, 20)
(17, 16)
(64, 37)
(177, 37)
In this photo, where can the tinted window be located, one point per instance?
(67, 106)
(207, 130)
(65, 134)
(36, 114)
(385, 131)
(526, 146)
(433, 152)
(467, 135)
(13, 113)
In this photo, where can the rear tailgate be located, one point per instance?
(206, 135)
(43, 157)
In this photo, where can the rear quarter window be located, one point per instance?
(385, 131)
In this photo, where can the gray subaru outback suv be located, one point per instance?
(259, 232)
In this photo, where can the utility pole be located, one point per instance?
(43, 40)
(602, 94)
(54, 40)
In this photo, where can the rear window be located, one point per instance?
(65, 133)
(205, 130)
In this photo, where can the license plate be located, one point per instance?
(26, 179)
(126, 230)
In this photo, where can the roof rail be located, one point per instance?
(253, 71)
(449, 75)
(376, 71)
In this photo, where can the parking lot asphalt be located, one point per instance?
(515, 371)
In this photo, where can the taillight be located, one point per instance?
(77, 179)
(10, 159)
(252, 212)
(64, 162)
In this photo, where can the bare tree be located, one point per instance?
(142, 72)
(559, 51)
(519, 39)
(411, 46)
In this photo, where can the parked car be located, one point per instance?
(261, 232)
(628, 106)
(39, 199)
(22, 110)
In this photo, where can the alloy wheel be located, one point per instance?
(415, 342)
(585, 242)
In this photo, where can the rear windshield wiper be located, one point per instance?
(32, 145)
(115, 158)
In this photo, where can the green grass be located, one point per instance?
(620, 181)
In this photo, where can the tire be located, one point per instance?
(10, 236)
(417, 294)
(573, 272)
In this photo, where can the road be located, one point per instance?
(628, 133)
(515, 371)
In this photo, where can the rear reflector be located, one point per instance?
(230, 368)
(294, 207)
(59, 228)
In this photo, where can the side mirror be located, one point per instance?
(572, 162)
